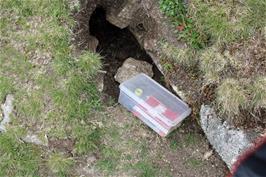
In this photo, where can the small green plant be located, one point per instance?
(174, 145)
(185, 29)
(231, 97)
(167, 67)
(59, 164)
(89, 63)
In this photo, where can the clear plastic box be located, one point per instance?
(153, 104)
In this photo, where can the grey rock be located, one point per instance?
(35, 139)
(122, 17)
(92, 43)
(7, 109)
(179, 92)
(100, 80)
(227, 141)
(132, 67)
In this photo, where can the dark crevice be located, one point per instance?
(116, 45)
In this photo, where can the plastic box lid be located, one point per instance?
(155, 99)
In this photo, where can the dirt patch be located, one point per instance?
(132, 144)
(251, 57)
(64, 145)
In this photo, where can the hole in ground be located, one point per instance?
(116, 45)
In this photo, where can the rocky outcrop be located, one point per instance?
(227, 141)
(145, 21)
(142, 17)
(132, 67)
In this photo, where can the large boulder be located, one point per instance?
(132, 67)
(226, 140)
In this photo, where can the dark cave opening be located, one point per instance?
(116, 45)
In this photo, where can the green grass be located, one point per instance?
(109, 160)
(87, 138)
(59, 164)
(17, 158)
(183, 24)
(174, 145)
(258, 92)
(54, 96)
(146, 169)
(214, 27)
(228, 21)
(231, 96)
(5, 87)
(182, 56)
(212, 63)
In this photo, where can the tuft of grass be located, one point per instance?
(82, 97)
(16, 157)
(109, 160)
(212, 63)
(87, 138)
(146, 169)
(258, 92)
(185, 56)
(256, 16)
(231, 97)
(89, 63)
(30, 106)
(59, 164)
(6, 87)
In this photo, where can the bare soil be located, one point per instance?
(179, 155)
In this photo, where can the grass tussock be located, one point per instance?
(184, 57)
(231, 97)
(212, 63)
(258, 92)
(59, 164)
